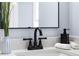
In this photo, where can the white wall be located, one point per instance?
(64, 15)
(74, 18)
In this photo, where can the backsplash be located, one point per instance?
(22, 44)
(19, 44)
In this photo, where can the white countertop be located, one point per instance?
(71, 51)
(23, 50)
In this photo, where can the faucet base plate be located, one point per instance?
(35, 48)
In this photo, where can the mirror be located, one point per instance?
(34, 14)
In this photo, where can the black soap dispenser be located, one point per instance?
(64, 37)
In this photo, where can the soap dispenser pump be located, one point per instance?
(64, 37)
(64, 32)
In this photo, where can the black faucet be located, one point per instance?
(35, 45)
(35, 36)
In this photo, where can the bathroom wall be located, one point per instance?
(74, 21)
(64, 16)
(16, 35)
(74, 18)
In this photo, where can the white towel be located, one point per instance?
(74, 45)
(63, 46)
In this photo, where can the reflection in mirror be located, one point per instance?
(33, 14)
(13, 15)
(0, 17)
(21, 15)
(48, 14)
(24, 15)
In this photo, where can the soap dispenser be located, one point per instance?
(64, 37)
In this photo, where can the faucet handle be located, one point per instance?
(27, 38)
(30, 43)
(40, 44)
(42, 37)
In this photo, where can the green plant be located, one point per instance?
(5, 16)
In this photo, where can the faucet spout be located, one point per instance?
(35, 36)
